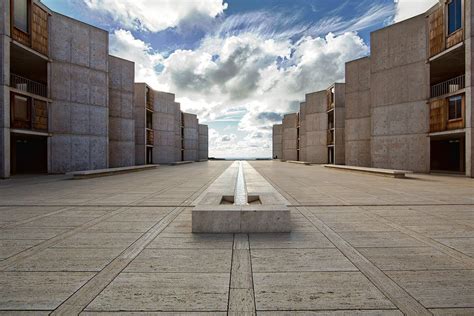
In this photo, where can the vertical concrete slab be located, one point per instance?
(339, 119)
(178, 137)
(277, 139)
(399, 87)
(79, 90)
(316, 125)
(302, 132)
(203, 142)
(357, 113)
(469, 5)
(290, 125)
(165, 127)
(139, 109)
(121, 123)
(4, 90)
(190, 137)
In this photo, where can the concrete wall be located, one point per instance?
(79, 89)
(139, 115)
(4, 90)
(302, 132)
(316, 124)
(290, 123)
(399, 84)
(339, 118)
(203, 142)
(469, 88)
(357, 114)
(191, 137)
(121, 122)
(277, 140)
(165, 127)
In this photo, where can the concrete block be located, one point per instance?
(127, 105)
(358, 129)
(80, 119)
(265, 219)
(60, 121)
(400, 119)
(60, 81)
(127, 130)
(316, 102)
(80, 84)
(115, 103)
(357, 153)
(115, 133)
(79, 153)
(216, 219)
(98, 117)
(115, 73)
(80, 45)
(60, 153)
(4, 17)
(98, 88)
(99, 52)
(98, 153)
(60, 38)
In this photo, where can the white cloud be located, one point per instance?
(410, 8)
(157, 15)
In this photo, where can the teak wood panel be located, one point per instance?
(436, 24)
(40, 115)
(439, 113)
(455, 38)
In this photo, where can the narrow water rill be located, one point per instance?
(241, 201)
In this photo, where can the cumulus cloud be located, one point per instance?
(410, 8)
(157, 15)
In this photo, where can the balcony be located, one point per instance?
(150, 137)
(28, 86)
(449, 86)
(28, 114)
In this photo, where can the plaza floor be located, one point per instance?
(360, 245)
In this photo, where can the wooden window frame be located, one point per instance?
(447, 19)
(28, 109)
(462, 109)
(29, 13)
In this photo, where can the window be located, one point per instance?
(455, 108)
(454, 16)
(20, 17)
(20, 112)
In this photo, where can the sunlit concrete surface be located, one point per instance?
(360, 244)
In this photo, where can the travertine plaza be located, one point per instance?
(337, 232)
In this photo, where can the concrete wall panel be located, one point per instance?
(277, 137)
(203, 142)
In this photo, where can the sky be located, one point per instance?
(240, 65)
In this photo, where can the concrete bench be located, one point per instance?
(375, 171)
(77, 175)
(235, 203)
(177, 163)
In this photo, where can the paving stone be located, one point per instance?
(438, 289)
(126, 227)
(444, 231)
(292, 240)
(380, 239)
(11, 247)
(154, 313)
(182, 260)
(18, 233)
(59, 221)
(68, 260)
(464, 245)
(413, 258)
(453, 312)
(336, 313)
(189, 241)
(38, 290)
(99, 240)
(299, 260)
(164, 292)
(317, 291)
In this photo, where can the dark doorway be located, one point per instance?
(448, 154)
(331, 155)
(149, 155)
(29, 154)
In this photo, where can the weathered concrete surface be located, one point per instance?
(139, 116)
(339, 123)
(358, 120)
(165, 127)
(4, 90)
(79, 89)
(399, 86)
(302, 133)
(277, 139)
(121, 122)
(203, 142)
(316, 124)
(373, 245)
(289, 138)
(469, 44)
(190, 137)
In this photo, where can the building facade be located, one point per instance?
(66, 105)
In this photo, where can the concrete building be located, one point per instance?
(277, 141)
(203, 142)
(190, 137)
(316, 133)
(121, 121)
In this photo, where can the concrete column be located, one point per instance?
(4, 90)
(469, 69)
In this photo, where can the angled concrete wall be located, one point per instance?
(203, 142)
(277, 140)
(165, 127)
(139, 116)
(79, 90)
(302, 132)
(358, 117)
(4, 90)
(399, 84)
(191, 137)
(121, 122)
(316, 125)
(290, 124)
(469, 87)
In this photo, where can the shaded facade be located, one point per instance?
(203, 142)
